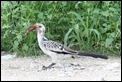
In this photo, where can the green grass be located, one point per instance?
(90, 26)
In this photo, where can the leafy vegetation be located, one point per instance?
(90, 26)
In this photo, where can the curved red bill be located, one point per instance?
(33, 26)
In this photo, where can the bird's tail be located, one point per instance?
(92, 55)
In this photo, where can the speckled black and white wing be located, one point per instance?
(56, 47)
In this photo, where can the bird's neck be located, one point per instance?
(40, 36)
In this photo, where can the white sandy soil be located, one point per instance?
(68, 69)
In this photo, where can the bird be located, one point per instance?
(53, 48)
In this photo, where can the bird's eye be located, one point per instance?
(39, 26)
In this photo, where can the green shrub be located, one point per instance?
(90, 26)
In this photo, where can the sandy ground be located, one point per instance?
(69, 69)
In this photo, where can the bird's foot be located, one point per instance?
(48, 67)
(73, 57)
(45, 68)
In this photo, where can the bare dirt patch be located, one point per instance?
(78, 69)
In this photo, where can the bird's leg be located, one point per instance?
(54, 61)
(48, 67)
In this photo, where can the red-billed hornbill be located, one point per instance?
(53, 48)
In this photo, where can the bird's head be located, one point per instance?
(38, 26)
